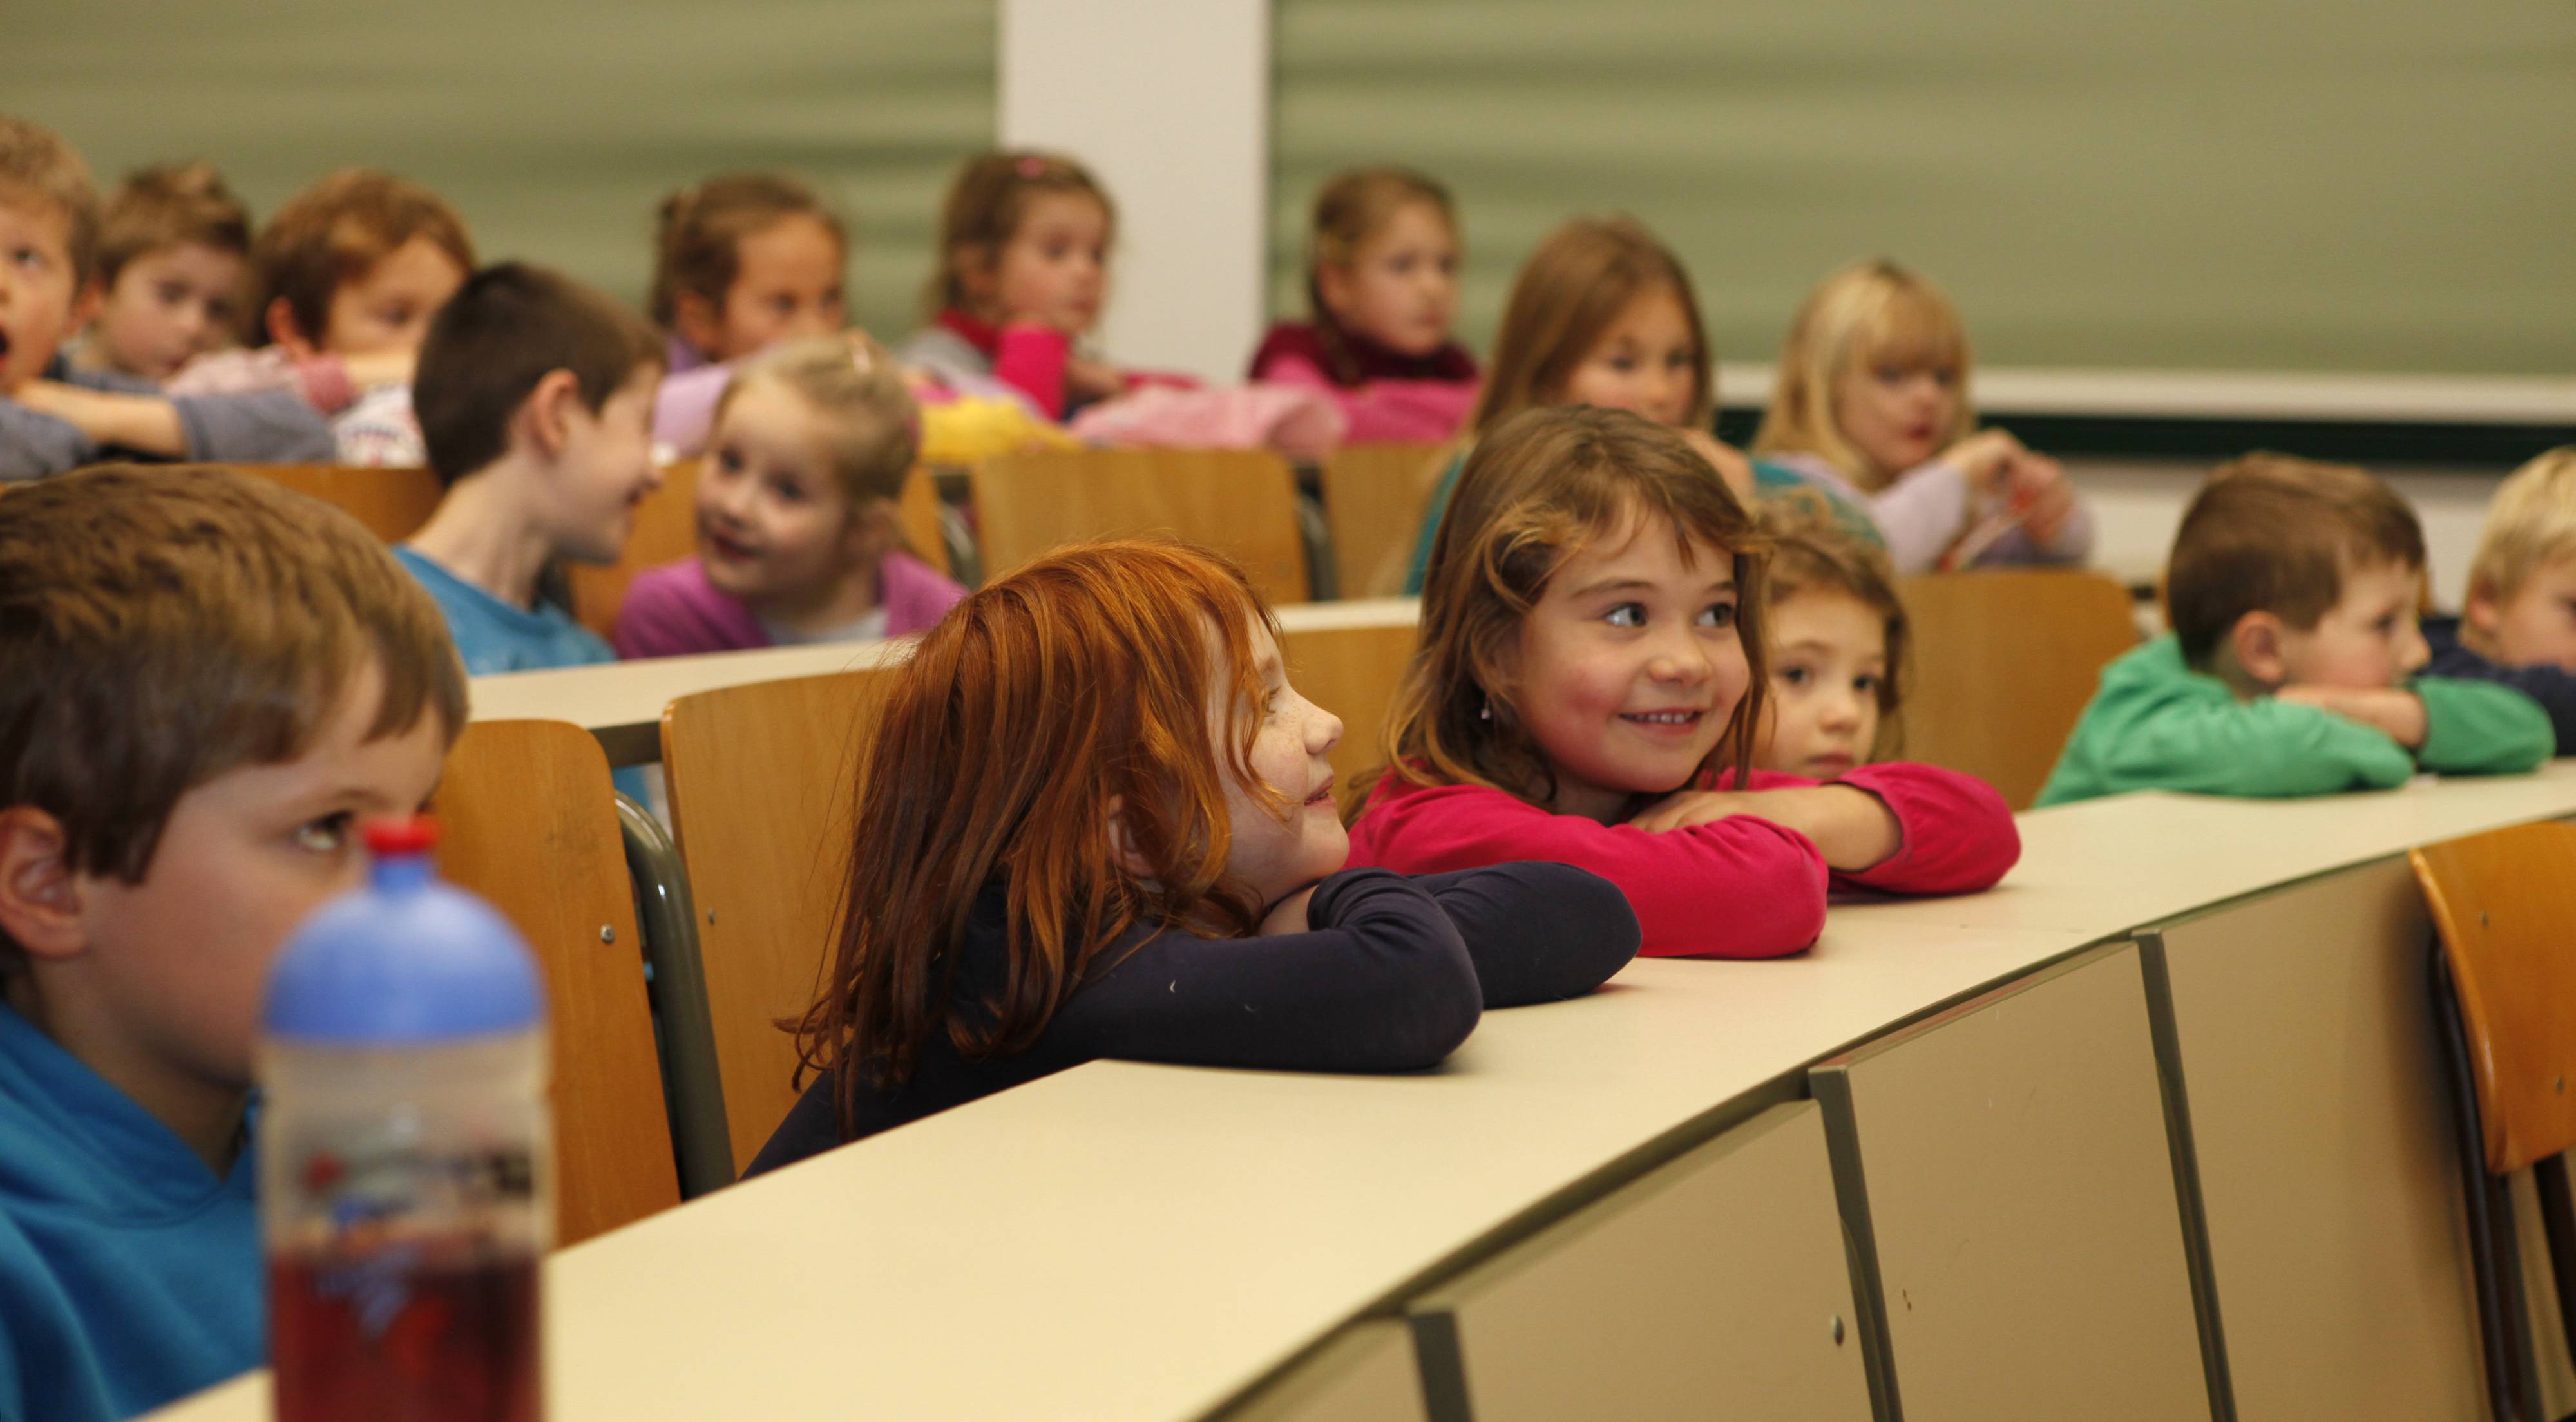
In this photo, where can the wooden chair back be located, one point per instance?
(1240, 502)
(1351, 672)
(925, 528)
(529, 822)
(1373, 504)
(762, 781)
(392, 503)
(2504, 903)
(2002, 665)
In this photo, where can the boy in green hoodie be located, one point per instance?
(2293, 592)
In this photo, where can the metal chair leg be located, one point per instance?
(2490, 1215)
(692, 1090)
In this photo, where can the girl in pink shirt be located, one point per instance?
(1382, 287)
(797, 535)
(1589, 688)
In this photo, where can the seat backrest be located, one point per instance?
(762, 781)
(1373, 503)
(1240, 502)
(924, 526)
(392, 503)
(666, 531)
(2504, 903)
(2003, 663)
(1351, 672)
(528, 821)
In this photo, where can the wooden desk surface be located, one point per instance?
(1131, 1241)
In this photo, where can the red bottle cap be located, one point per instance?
(404, 834)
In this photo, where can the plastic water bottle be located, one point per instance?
(405, 1184)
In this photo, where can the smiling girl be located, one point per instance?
(1587, 688)
(1164, 884)
(797, 535)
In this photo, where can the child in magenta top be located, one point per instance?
(1589, 689)
(797, 538)
(1382, 284)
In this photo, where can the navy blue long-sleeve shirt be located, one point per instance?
(1391, 976)
(2553, 688)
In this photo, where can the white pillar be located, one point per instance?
(1168, 102)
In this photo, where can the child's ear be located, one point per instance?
(979, 271)
(40, 897)
(1333, 283)
(698, 322)
(545, 418)
(2483, 610)
(872, 532)
(1122, 845)
(85, 304)
(288, 333)
(2256, 642)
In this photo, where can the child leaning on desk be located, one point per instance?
(2519, 624)
(2292, 665)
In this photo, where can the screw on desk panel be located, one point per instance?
(607, 934)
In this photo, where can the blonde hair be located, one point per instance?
(2531, 521)
(986, 204)
(1811, 550)
(697, 243)
(1536, 491)
(1869, 314)
(873, 430)
(1352, 208)
(1570, 291)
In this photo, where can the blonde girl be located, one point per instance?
(1163, 883)
(1587, 690)
(797, 535)
(1871, 399)
(1381, 293)
(1603, 314)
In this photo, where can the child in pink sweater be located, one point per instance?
(1382, 284)
(1589, 689)
(797, 539)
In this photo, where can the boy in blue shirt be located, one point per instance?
(535, 398)
(205, 681)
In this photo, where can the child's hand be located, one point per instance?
(1852, 828)
(1288, 915)
(1731, 466)
(1088, 379)
(1987, 458)
(2390, 710)
(2036, 485)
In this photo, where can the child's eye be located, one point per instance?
(1626, 614)
(1866, 682)
(327, 835)
(729, 460)
(1717, 614)
(1795, 676)
(1623, 363)
(173, 293)
(29, 258)
(788, 491)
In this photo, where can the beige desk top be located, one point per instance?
(1128, 1241)
(2241, 394)
(621, 702)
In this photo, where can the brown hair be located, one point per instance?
(157, 209)
(986, 204)
(946, 812)
(697, 243)
(504, 330)
(1351, 209)
(162, 625)
(1813, 550)
(334, 231)
(858, 390)
(1570, 291)
(2269, 533)
(36, 163)
(1534, 492)
(1869, 313)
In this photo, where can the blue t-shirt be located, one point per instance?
(493, 636)
(129, 1274)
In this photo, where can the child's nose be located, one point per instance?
(2416, 651)
(1679, 659)
(1323, 732)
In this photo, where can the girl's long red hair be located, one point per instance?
(1090, 677)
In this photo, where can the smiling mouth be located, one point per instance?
(1662, 718)
(1323, 794)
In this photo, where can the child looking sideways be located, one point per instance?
(1381, 292)
(1837, 645)
(1023, 273)
(54, 418)
(743, 261)
(1871, 398)
(1603, 314)
(1587, 690)
(205, 681)
(174, 262)
(1164, 884)
(2291, 667)
(2519, 624)
(797, 536)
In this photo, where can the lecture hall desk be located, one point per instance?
(2155, 1117)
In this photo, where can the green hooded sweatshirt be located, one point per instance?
(2156, 724)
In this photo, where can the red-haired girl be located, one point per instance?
(1098, 822)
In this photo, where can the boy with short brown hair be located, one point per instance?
(53, 418)
(173, 267)
(2291, 667)
(205, 681)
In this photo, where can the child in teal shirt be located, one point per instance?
(2293, 591)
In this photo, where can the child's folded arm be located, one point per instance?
(2481, 727)
(262, 427)
(1537, 932)
(1959, 836)
(2261, 748)
(110, 418)
(1382, 982)
(34, 444)
(2554, 688)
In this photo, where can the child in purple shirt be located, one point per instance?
(797, 536)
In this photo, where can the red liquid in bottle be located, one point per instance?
(409, 1332)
